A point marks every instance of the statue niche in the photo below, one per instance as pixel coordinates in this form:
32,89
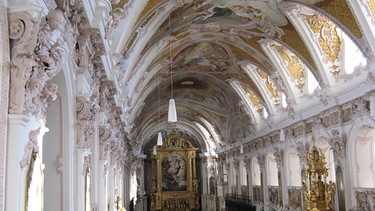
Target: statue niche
174,182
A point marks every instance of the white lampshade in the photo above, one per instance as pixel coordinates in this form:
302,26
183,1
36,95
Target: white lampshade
172,114
282,135
241,149
154,150
160,139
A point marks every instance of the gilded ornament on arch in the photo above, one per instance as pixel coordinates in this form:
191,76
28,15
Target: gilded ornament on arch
294,65
328,38
371,6
270,86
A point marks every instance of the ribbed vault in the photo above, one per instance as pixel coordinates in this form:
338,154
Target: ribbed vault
234,67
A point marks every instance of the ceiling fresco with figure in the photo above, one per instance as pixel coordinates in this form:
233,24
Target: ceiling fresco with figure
233,67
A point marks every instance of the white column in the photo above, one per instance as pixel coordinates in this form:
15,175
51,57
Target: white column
19,127
127,180
102,189
95,169
204,174
111,187
80,174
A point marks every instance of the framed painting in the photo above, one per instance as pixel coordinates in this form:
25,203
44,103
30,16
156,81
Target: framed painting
174,173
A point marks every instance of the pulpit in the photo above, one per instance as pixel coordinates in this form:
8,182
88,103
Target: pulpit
174,182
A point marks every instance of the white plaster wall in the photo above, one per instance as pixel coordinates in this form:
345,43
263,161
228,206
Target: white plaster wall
364,157
272,170
51,151
293,168
243,173
256,172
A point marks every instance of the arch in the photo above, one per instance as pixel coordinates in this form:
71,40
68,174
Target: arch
362,156
58,146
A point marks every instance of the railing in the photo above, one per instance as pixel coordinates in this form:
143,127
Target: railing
234,202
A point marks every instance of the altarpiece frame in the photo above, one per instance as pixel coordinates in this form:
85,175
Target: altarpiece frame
174,182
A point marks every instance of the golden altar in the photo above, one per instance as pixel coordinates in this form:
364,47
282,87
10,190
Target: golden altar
174,182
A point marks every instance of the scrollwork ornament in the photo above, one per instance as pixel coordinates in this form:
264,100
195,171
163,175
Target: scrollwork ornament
247,162
302,150
261,162
23,31
279,157
16,29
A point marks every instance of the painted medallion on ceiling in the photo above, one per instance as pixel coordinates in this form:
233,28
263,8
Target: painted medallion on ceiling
204,57
245,13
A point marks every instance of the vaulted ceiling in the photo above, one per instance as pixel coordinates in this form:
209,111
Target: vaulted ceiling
234,67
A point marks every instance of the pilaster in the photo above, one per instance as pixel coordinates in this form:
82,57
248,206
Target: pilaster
19,127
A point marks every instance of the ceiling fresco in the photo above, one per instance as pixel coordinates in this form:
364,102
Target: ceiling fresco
215,56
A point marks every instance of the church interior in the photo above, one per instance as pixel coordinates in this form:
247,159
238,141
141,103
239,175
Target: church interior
200,105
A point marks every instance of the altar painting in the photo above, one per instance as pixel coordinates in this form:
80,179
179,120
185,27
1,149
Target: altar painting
174,173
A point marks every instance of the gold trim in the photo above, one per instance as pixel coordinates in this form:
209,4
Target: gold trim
187,197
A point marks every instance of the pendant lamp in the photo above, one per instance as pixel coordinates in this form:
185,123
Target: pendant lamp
241,149
154,150
160,139
282,135
172,114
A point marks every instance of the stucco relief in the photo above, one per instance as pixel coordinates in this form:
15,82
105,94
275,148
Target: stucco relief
247,162
37,58
85,122
338,144
23,32
279,158
104,136
30,147
112,21
261,162
302,150
236,164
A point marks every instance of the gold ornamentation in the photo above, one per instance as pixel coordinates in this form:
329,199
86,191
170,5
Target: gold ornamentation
329,40
294,65
253,99
174,183
340,10
294,40
318,193
371,6
270,86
